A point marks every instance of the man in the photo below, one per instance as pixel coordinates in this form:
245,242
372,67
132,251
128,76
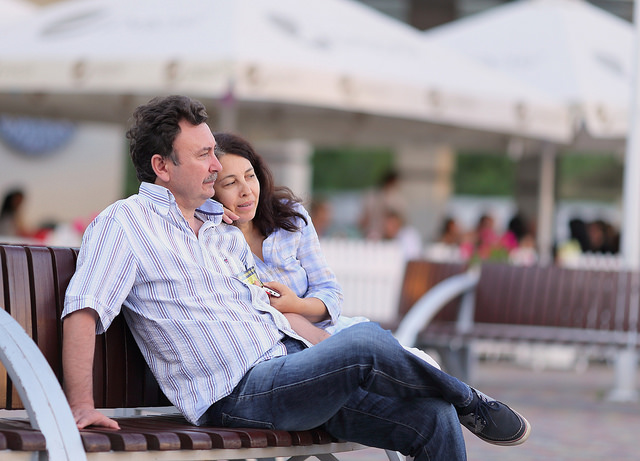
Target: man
219,351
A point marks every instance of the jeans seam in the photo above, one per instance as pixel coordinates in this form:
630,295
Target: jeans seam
399,423
285,387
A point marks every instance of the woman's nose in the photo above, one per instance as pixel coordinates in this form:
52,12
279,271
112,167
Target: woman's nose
245,189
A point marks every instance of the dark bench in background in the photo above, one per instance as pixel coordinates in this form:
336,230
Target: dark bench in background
535,304
33,283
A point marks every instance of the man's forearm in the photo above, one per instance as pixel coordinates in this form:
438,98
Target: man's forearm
78,345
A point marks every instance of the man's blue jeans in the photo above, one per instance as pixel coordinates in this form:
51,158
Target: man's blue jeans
360,385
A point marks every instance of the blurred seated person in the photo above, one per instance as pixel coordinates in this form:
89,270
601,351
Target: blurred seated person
395,227
519,237
11,219
387,196
450,233
321,216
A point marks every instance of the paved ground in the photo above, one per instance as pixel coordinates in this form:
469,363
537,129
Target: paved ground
570,417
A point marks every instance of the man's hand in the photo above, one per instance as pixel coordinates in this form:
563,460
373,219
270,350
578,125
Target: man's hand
89,416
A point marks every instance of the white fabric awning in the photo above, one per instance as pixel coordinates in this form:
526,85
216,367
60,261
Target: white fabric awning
87,58
572,50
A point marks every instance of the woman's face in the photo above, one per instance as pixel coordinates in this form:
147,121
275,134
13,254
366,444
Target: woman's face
237,187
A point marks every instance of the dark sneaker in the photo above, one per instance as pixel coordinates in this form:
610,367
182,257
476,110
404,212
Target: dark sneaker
493,421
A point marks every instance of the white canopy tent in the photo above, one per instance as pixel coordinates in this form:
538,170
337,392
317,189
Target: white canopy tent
11,10
292,67
575,52
572,50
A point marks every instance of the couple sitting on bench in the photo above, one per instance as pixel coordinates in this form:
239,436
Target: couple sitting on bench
222,349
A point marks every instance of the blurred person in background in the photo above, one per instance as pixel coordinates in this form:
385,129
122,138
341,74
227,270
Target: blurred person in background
376,202
520,238
11,219
450,233
395,228
603,237
321,215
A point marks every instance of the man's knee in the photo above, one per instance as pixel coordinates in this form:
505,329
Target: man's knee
368,339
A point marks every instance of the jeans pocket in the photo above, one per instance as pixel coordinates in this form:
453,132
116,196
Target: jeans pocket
234,421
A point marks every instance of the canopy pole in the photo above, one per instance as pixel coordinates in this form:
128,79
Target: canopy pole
626,361
630,235
546,203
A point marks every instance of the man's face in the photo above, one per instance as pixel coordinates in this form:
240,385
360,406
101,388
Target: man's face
191,180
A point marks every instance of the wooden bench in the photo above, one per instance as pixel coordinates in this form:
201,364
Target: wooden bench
534,304
33,283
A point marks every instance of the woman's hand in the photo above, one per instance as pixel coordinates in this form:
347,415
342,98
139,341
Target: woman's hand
311,308
288,301
228,216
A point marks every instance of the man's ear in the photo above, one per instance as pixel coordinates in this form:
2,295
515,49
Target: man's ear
159,165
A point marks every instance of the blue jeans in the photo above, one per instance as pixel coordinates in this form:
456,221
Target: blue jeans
360,385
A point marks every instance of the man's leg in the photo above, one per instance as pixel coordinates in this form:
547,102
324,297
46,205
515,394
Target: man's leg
339,387
426,429
305,389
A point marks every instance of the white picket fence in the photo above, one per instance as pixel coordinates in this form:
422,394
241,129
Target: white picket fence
370,274
595,261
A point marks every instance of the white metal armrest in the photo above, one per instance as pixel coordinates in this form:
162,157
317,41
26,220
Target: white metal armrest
40,392
433,301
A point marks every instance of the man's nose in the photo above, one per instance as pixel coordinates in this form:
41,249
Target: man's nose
215,164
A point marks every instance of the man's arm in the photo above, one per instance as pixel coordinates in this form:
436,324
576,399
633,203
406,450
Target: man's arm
78,345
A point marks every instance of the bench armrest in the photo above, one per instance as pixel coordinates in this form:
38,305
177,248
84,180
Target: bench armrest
40,391
433,301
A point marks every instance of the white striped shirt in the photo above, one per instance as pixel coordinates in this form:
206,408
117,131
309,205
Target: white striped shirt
198,326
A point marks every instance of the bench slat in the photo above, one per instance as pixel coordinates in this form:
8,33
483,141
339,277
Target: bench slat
94,442
191,440
18,305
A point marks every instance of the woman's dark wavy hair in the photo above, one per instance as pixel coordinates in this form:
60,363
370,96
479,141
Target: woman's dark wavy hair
275,204
155,128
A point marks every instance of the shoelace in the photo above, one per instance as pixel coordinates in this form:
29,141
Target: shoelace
481,412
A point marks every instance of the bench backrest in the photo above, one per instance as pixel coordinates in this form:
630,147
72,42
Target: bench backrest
605,301
422,275
33,284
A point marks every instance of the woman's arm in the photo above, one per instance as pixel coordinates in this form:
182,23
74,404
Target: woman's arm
313,309
306,329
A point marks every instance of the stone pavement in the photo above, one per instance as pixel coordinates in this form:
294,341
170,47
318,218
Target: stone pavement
571,419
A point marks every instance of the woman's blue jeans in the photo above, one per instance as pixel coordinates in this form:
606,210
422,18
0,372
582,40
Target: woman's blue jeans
360,385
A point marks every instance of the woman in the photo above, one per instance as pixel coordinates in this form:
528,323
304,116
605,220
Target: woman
281,236
284,242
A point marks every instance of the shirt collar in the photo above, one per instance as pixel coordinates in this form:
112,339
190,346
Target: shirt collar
163,200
